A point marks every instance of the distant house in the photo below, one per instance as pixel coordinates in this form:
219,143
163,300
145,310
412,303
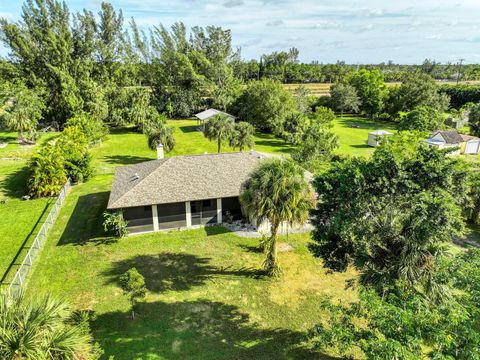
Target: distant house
183,191
208,114
466,144
376,137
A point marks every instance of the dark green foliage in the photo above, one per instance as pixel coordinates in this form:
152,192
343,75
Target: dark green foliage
114,223
294,127
48,173
371,90
415,91
219,128
265,104
242,136
316,144
159,133
422,118
323,116
344,98
474,120
73,145
277,191
461,94
133,286
410,205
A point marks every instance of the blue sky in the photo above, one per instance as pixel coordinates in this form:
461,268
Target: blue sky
368,31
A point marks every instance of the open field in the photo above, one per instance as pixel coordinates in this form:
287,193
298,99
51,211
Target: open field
323,89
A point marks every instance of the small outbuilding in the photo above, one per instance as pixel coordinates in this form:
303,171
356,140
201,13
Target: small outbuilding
465,144
208,114
376,137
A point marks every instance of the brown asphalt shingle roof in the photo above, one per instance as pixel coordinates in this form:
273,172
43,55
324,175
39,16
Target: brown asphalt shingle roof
450,137
182,178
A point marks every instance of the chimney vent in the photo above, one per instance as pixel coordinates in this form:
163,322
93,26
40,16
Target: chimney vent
160,154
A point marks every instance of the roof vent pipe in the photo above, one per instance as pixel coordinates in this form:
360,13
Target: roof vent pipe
160,154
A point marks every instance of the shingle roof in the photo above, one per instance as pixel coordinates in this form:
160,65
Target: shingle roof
380,132
182,178
207,114
469,137
450,137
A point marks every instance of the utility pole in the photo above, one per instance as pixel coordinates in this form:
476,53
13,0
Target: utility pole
459,68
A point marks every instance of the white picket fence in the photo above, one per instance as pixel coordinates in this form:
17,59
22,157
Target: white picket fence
21,275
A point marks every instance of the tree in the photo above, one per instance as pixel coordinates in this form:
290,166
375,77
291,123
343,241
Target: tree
400,201
277,191
317,144
161,135
94,129
133,286
22,110
243,136
323,116
417,90
344,98
294,127
48,173
265,104
220,128
41,327
73,145
423,118
371,90
474,120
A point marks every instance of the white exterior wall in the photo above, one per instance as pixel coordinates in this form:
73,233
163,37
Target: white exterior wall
472,147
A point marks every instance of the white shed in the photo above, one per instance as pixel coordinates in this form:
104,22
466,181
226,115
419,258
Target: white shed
375,137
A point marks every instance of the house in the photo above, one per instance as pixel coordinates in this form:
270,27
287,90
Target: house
208,114
376,137
183,191
466,144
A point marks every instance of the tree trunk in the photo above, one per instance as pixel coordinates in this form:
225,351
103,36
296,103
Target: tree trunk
271,267
21,137
219,144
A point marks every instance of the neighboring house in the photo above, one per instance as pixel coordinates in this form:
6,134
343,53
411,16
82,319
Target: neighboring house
376,137
466,144
183,191
208,114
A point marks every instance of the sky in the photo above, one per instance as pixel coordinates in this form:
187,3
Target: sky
368,31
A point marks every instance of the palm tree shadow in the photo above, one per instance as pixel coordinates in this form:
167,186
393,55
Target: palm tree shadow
175,271
13,185
199,329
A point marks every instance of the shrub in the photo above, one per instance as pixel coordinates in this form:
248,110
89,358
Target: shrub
73,145
48,173
94,129
114,223
133,286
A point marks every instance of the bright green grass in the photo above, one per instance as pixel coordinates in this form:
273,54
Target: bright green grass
353,141
19,220
205,299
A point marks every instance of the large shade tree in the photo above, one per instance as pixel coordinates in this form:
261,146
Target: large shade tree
391,215
277,191
219,128
344,98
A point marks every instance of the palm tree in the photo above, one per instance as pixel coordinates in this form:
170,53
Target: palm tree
40,328
220,127
278,192
242,136
161,134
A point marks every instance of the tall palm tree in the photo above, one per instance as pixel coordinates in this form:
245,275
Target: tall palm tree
278,192
40,328
242,136
219,127
161,134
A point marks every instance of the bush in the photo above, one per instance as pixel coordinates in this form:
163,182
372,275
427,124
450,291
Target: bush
73,145
48,173
95,130
114,223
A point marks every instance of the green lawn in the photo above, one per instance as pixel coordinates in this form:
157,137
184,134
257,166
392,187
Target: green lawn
19,220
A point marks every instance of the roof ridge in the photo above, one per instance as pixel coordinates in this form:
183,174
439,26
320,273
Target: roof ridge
160,163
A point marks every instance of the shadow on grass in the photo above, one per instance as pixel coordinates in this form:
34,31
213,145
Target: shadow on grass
13,185
216,230
251,249
174,271
85,223
361,146
363,123
199,329
126,159
10,139
188,129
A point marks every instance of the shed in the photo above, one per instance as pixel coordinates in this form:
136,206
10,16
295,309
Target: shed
375,137
208,114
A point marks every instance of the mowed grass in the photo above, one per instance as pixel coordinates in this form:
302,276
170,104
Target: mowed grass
206,296
19,220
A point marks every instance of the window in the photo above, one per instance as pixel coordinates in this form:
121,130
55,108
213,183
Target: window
147,208
207,203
